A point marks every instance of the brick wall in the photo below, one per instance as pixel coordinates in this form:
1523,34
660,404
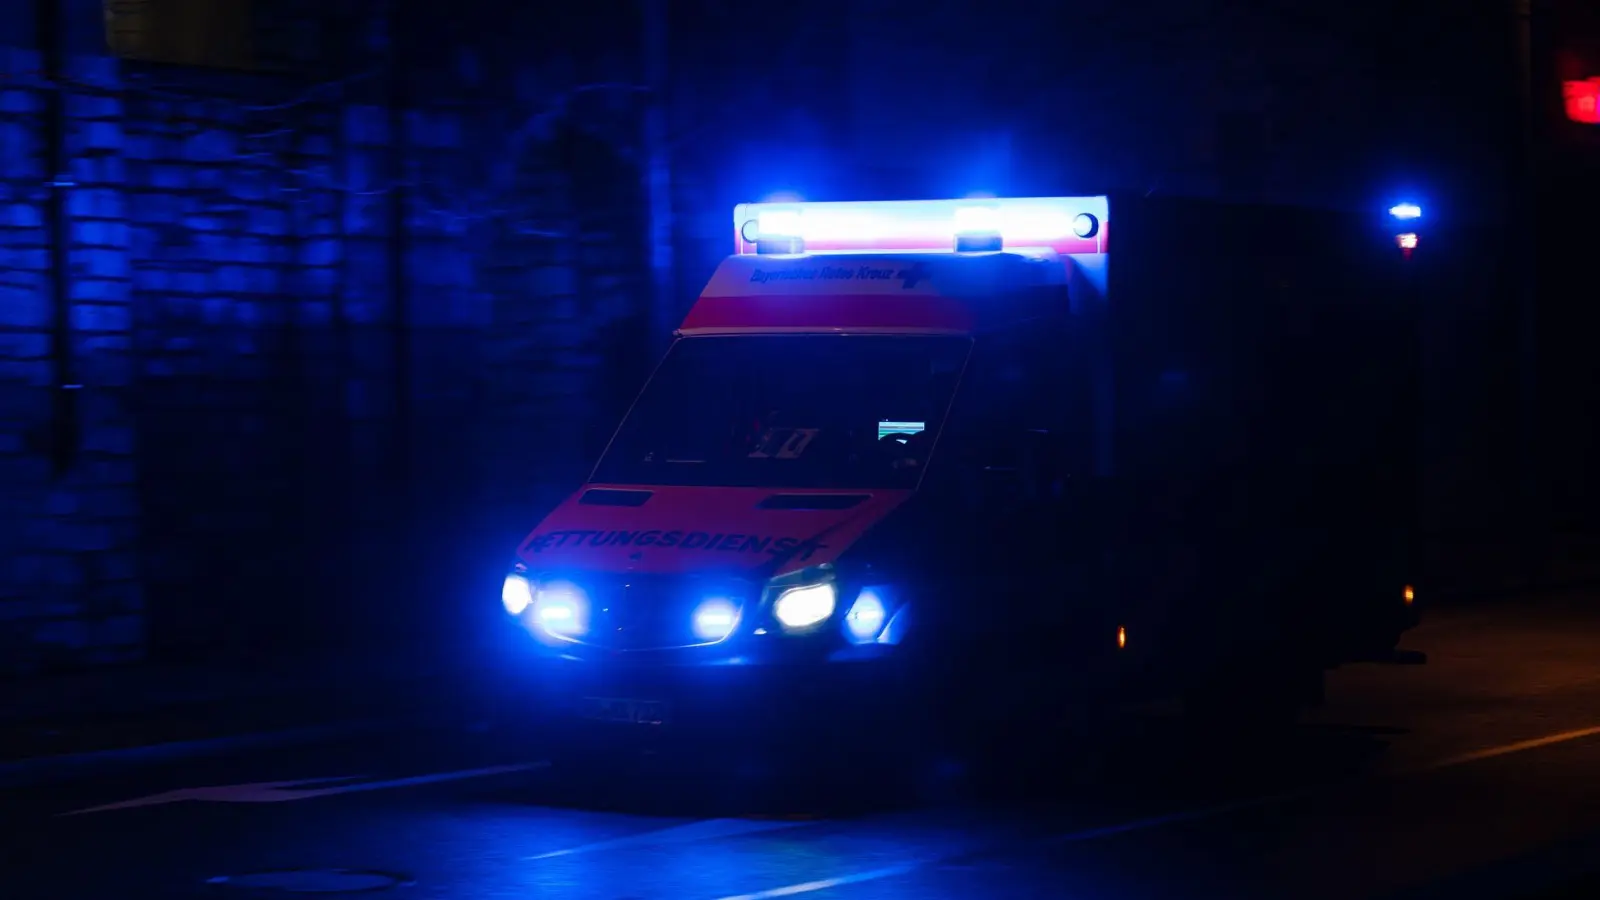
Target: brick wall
231,254
326,360
69,586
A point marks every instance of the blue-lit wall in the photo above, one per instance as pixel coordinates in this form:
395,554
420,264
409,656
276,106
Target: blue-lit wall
69,561
326,361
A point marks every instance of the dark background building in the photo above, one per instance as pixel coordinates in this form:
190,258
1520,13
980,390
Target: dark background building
307,309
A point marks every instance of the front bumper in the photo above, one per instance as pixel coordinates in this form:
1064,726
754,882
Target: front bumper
734,701
752,688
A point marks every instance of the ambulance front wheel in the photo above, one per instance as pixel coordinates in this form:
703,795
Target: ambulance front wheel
1383,644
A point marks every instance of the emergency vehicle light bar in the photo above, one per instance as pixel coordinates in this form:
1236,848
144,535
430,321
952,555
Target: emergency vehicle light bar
1063,224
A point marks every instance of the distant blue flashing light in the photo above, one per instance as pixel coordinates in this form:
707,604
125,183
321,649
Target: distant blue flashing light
1406,211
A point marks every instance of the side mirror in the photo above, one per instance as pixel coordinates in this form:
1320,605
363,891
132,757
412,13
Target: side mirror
1023,470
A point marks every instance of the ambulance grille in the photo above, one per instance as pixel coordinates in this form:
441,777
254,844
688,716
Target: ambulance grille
656,612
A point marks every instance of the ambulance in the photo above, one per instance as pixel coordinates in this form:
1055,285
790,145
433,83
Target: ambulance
958,460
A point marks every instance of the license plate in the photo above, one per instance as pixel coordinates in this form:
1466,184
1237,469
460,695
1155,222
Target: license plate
623,709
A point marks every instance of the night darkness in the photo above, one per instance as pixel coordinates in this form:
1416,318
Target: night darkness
314,316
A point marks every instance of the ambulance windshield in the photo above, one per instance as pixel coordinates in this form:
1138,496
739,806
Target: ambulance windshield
789,411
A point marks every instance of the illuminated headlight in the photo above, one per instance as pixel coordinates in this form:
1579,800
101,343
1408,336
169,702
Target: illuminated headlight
561,609
714,619
798,608
516,594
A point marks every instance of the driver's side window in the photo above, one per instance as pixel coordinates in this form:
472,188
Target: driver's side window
1022,422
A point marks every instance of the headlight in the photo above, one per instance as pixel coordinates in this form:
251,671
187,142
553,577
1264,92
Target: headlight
516,594
803,607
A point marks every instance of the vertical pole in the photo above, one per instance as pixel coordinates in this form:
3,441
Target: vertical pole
403,524
399,240
1527,208
64,426
658,174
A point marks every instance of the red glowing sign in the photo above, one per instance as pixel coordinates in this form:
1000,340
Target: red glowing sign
1582,100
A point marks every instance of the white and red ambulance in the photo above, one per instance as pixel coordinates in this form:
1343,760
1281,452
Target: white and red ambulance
957,453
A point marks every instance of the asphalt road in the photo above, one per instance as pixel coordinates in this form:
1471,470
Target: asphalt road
1412,777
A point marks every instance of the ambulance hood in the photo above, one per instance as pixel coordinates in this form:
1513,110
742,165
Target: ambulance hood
754,531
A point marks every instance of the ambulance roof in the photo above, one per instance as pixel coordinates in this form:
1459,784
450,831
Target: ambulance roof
892,266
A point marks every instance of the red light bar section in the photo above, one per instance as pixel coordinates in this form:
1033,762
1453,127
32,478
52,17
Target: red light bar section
1582,100
829,313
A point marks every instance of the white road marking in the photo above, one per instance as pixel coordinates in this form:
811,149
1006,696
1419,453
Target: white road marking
1173,818
1071,837
707,829
807,887
286,791
255,792
1508,749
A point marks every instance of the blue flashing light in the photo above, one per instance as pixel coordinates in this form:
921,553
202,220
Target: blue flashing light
894,631
778,223
776,231
864,622
1406,211
976,220
714,619
977,230
561,610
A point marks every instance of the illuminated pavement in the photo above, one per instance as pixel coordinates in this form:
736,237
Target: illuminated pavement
1410,776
